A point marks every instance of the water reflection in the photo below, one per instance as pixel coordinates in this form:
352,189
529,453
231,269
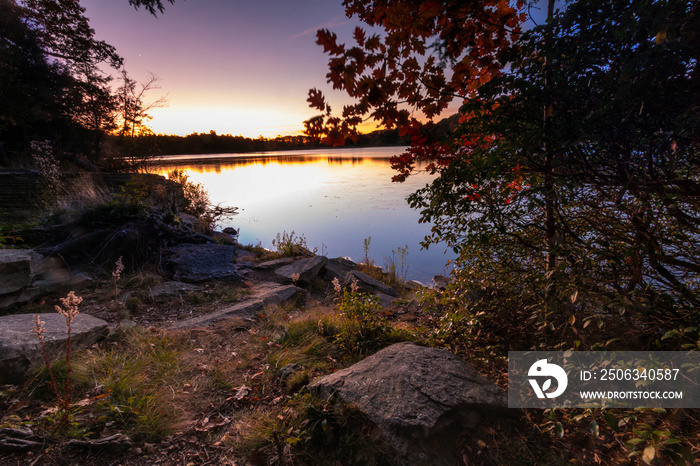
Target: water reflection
335,200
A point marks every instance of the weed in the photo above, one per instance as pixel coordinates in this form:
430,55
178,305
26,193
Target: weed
133,304
198,203
9,240
116,275
365,246
365,330
397,268
69,310
81,192
311,430
48,165
297,381
135,383
290,245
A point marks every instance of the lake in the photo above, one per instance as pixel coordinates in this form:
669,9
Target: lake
335,198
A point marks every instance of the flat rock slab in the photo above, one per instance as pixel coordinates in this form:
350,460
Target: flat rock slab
198,263
369,284
419,398
303,271
265,294
339,268
20,351
168,290
274,264
26,275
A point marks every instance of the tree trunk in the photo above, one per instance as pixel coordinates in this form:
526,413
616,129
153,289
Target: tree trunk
550,230
4,159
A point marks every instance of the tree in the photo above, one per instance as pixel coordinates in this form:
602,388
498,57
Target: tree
575,162
55,85
133,109
152,6
30,86
391,75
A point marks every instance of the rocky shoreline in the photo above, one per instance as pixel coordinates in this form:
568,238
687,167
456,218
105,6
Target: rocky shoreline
180,283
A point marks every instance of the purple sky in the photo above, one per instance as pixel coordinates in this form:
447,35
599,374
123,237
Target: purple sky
238,67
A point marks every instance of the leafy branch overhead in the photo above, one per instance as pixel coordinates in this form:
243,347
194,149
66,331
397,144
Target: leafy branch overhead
404,69
152,6
568,187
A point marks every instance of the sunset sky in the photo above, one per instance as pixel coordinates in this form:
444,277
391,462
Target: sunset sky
238,67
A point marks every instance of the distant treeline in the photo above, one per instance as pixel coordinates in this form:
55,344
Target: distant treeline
213,143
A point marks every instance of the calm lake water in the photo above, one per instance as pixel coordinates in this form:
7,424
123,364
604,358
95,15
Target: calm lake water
334,197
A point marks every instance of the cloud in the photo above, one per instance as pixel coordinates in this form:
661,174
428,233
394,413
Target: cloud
340,20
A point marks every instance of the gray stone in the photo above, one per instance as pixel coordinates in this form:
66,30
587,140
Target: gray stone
26,275
197,263
244,256
339,268
20,351
16,269
167,290
223,238
414,285
265,294
384,299
419,398
274,264
442,282
303,270
287,371
369,284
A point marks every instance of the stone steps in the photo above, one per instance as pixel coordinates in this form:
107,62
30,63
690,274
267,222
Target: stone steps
266,294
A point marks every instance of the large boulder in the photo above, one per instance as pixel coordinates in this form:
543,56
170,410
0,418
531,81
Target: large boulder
20,351
16,269
419,398
369,284
26,275
198,263
303,271
339,268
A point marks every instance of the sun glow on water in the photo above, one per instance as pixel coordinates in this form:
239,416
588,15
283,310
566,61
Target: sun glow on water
334,198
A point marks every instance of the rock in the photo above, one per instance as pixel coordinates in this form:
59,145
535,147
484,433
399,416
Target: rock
231,231
197,263
419,398
223,238
167,290
305,269
244,256
441,282
287,371
273,264
26,275
189,220
414,285
20,351
265,294
369,284
339,268
385,299
16,269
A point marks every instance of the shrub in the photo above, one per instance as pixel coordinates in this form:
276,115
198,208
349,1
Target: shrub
289,245
366,330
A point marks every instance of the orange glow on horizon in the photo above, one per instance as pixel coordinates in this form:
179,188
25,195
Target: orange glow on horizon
250,123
